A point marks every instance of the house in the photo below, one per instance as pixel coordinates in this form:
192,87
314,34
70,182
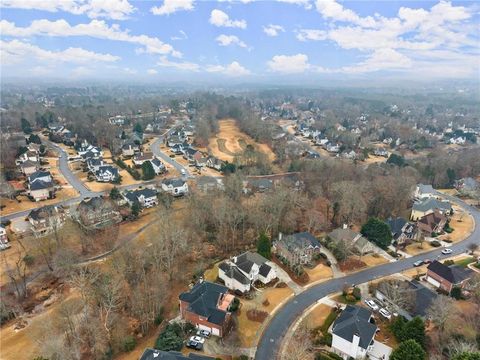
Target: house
259,185
3,238
107,173
174,140
403,231
321,141
353,239
158,166
447,277
47,219
129,149
28,167
201,162
333,148
97,213
209,183
432,223
467,184
381,152
298,248
177,149
89,155
175,187
192,154
154,354
29,155
141,157
419,298
87,151
353,333
428,206
425,191
40,186
206,305
146,197
117,120
243,270
94,164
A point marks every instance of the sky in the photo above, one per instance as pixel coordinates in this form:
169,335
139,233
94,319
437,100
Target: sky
240,41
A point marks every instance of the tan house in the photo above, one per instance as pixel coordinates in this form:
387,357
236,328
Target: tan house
47,219
97,213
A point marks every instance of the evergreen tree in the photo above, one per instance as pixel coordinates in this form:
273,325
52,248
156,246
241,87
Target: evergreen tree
264,247
148,171
26,127
378,232
408,350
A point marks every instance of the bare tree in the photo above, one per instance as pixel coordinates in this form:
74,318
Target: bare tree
397,293
298,348
440,311
17,270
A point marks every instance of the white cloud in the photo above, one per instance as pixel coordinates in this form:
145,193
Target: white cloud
330,9
172,6
152,72
16,51
311,34
273,30
305,3
286,64
226,40
81,71
109,9
382,59
233,69
183,36
221,19
96,28
189,66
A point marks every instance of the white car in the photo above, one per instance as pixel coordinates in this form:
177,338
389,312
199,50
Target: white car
447,251
203,333
183,172
197,339
372,304
385,313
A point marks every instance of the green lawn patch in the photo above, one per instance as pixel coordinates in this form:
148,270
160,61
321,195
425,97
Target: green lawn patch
465,262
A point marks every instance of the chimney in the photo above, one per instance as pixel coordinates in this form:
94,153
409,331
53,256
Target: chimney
345,226
280,236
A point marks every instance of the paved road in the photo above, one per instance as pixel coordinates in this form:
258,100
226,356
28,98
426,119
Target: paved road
155,147
274,333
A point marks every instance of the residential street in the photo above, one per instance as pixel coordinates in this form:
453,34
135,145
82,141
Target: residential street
271,340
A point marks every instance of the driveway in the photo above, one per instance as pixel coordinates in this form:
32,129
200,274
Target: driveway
155,147
274,333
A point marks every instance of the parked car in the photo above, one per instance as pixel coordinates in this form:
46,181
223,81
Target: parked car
194,345
385,313
203,333
447,251
372,304
198,339
418,263
183,172
427,261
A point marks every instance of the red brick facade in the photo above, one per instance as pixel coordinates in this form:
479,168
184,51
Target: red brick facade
196,319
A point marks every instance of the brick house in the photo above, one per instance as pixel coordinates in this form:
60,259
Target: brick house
432,223
97,213
447,277
206,305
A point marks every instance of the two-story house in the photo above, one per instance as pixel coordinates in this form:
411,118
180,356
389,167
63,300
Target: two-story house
40,186
97,213
447,277
3,238
175,187
141,157
353,333
47,219
206,305
429,205
107,173
298,248
146,198
241,271
158,166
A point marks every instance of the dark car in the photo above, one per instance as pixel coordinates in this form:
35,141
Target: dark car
194,345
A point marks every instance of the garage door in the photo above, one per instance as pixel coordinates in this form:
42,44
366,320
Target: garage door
433,281
203,327
215,332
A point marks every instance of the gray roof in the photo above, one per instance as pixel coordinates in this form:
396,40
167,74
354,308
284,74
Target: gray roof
134,195
453,274
423,298
38,174
431,204
426,189
40,185
396,225
354,320
105,168
203,299
45,212
300,241
174,182
233,273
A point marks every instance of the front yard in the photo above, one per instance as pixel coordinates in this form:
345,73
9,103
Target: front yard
320,272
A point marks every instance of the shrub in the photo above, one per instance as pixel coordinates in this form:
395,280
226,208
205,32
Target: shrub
129,343
435,243
266,302
256,315
434,234
357,293
235,305
448,262
456,293
350,299
170,339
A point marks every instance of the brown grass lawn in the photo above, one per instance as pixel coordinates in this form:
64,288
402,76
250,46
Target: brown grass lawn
249,331
319,272
414,271
13,206
231,139
414,249
317,316
372,159
372,260
462,223
211,274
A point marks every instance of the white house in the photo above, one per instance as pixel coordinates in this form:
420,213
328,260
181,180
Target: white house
130,149
158,166
40,185
28,155
144,197
333,148
93,164
353,333
242,271
3,238
141,157
175,187
425,191
106,173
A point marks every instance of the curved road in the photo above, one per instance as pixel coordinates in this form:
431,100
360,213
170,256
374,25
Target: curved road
271,340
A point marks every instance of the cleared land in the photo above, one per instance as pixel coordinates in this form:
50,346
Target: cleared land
230,141
317,316
319,272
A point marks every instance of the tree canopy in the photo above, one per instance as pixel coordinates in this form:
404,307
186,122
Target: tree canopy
378,232
408,350
148,171
264,247
406,330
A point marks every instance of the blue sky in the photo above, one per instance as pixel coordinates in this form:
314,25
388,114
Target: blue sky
240,40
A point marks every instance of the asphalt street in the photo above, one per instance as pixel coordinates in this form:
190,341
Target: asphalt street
271,340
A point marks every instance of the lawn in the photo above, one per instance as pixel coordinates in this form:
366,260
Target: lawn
462,224
211,274
317,316
319,272
230,140
414,248
249,331
465,261
374,260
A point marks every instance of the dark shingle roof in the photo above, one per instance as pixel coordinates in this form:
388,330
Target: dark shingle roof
38,174
301,240
233,273
453,274
203,299
396,225
431,204
423,298
354,320
152,354
45,212
39,185
264,270
174,182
